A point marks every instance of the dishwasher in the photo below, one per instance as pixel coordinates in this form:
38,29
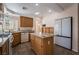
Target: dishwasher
24,37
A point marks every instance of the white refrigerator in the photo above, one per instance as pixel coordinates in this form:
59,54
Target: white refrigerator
63,32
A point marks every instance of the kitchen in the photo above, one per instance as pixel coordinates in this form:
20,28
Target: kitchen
25,31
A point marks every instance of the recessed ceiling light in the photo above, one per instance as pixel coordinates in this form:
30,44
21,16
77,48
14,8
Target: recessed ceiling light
36,4
24,8
37,13
49,10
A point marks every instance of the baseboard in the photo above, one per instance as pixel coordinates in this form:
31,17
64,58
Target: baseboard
74,50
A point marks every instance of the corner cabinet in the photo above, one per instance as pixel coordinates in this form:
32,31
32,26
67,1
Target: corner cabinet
42,46
16,38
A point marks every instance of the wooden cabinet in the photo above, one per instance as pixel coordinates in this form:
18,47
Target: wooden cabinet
42,46
47,29
16,38
48,45
4,49
32,38
26,21
39,46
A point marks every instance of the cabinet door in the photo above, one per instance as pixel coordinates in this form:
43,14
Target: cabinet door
26,21
39,46
48,45
48,30
5,48
17,39
32,38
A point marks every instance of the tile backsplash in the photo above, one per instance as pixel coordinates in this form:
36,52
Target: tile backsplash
26,28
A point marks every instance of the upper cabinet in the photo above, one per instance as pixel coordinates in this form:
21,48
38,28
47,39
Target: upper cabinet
48,30
26,21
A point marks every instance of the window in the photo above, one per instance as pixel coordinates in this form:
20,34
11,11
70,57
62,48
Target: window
9,23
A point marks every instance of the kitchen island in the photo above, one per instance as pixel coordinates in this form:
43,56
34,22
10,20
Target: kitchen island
42,43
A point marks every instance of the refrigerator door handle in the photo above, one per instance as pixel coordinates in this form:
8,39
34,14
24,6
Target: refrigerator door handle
62,36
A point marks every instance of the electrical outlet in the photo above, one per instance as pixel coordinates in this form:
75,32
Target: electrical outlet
48,42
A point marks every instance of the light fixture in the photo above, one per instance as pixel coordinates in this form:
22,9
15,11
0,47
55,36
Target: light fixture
24,8
49,10
36,4
37,13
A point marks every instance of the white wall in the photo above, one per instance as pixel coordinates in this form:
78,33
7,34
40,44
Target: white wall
14,22
37,24
49,20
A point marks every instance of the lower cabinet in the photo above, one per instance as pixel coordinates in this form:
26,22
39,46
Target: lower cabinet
42,46
4,50
32,38
16,38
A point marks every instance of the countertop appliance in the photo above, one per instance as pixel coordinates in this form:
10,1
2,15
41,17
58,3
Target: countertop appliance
63,32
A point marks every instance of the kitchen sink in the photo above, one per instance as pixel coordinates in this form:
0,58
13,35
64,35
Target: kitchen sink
4,35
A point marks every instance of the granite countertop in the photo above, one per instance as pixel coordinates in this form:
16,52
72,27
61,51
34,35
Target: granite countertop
43,35
26,31
3,40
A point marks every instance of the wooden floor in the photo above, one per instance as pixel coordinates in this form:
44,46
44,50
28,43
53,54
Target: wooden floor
25,49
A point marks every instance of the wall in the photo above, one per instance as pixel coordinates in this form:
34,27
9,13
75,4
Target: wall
37,24
14,23
49,20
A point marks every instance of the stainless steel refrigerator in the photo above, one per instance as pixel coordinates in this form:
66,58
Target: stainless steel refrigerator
63,32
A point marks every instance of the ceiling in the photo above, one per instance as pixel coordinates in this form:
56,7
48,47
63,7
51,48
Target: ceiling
29,9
